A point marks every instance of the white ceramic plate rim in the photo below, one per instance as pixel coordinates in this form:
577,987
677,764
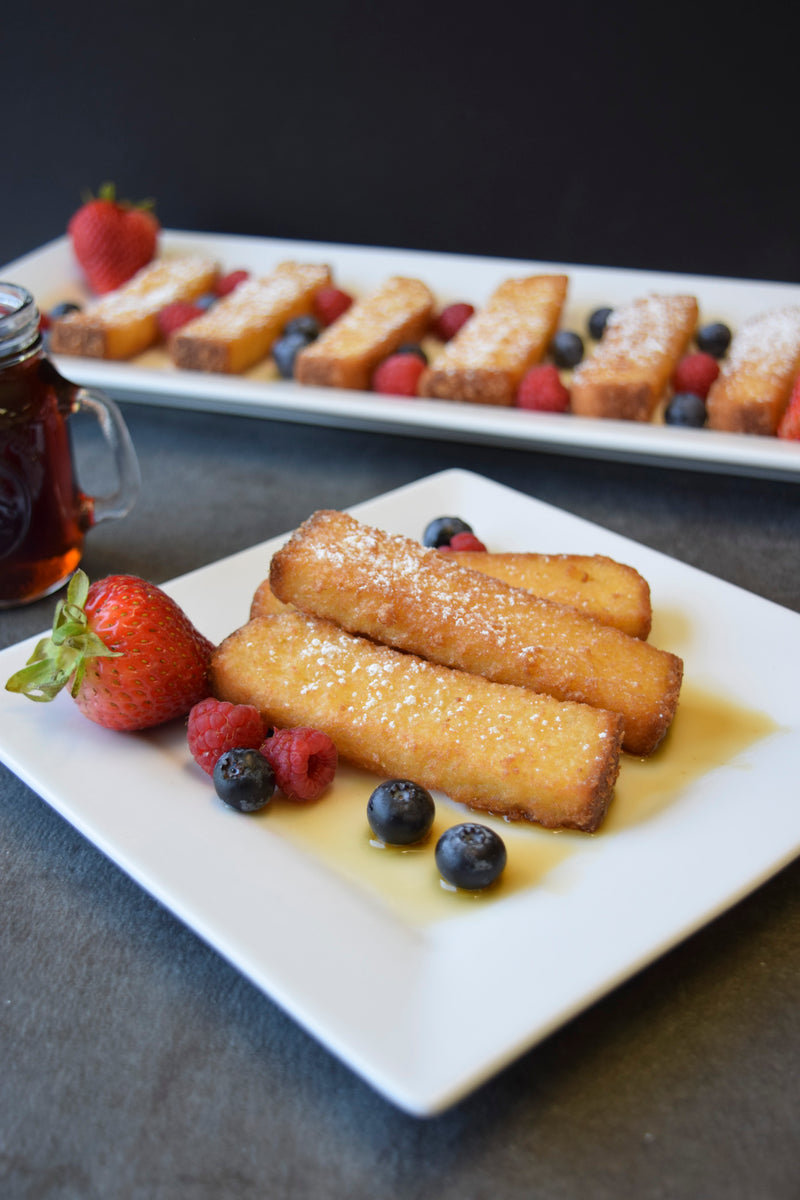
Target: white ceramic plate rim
425,1014
51,274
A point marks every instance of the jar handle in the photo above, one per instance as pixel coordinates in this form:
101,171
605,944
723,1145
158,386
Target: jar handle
115,432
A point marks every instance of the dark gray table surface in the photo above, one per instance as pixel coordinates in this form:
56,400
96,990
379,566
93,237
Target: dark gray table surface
137,1063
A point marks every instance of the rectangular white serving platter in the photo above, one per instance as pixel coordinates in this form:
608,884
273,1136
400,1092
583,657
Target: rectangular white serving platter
52,275
427,1011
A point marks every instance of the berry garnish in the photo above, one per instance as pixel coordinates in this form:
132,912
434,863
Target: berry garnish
131,656
112,240
174,316
217,725
413,348
695,373
463,541
686,408
597,322
714,339
286,350
206,301
566,348
470,856
789,425
441,531
244,779
304,762
400,812
450,320
63,310
307,325
330,303
398,375
226,283
541,390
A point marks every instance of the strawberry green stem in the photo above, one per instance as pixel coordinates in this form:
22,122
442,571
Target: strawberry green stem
62,655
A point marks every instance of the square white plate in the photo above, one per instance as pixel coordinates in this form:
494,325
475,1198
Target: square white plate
51,274
426,1001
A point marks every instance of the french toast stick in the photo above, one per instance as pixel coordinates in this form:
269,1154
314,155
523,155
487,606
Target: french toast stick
753,387
597,586
627,375
241,328
487,358
346,354
491,746
390,588
125,322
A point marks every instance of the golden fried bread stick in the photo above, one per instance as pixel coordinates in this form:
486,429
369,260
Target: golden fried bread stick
125,322
241,328
628,372
498,748
390,588
346,354
487,358
597,586
752,389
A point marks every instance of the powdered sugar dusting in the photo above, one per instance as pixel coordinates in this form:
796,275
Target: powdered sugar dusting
258,300
765,345
640,334
517,319
372,318
151,289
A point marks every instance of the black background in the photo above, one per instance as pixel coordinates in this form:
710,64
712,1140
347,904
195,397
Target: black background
625,135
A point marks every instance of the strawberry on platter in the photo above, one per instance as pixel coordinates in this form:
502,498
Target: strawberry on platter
112,240
130,655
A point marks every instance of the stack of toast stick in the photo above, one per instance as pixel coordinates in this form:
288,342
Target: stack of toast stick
515,698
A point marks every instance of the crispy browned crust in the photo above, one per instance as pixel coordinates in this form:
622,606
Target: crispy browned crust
599,587
347,353
753,388
391,589
628,373
485,361
125,322
491,746
241,329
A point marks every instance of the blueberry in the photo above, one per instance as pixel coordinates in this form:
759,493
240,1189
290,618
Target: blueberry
597,322
566,349
309,327
286,350
440,531
400,812
206,300
470,856
714,339
686,409
62,310
412,348
244,780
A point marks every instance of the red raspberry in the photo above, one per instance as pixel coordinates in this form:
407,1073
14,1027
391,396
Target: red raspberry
44,320
226,283
450,320
217,725
695,374
330,303
463,541
398,375
304,761
541,390
176,315
789,427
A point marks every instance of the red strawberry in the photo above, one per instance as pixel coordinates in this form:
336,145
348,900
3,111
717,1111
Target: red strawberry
130,654
789,427
112,241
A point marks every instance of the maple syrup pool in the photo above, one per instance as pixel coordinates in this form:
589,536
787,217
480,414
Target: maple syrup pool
707,732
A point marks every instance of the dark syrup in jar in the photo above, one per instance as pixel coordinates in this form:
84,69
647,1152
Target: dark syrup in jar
43,514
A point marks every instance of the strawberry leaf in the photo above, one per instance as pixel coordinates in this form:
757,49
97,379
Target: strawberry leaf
62,655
